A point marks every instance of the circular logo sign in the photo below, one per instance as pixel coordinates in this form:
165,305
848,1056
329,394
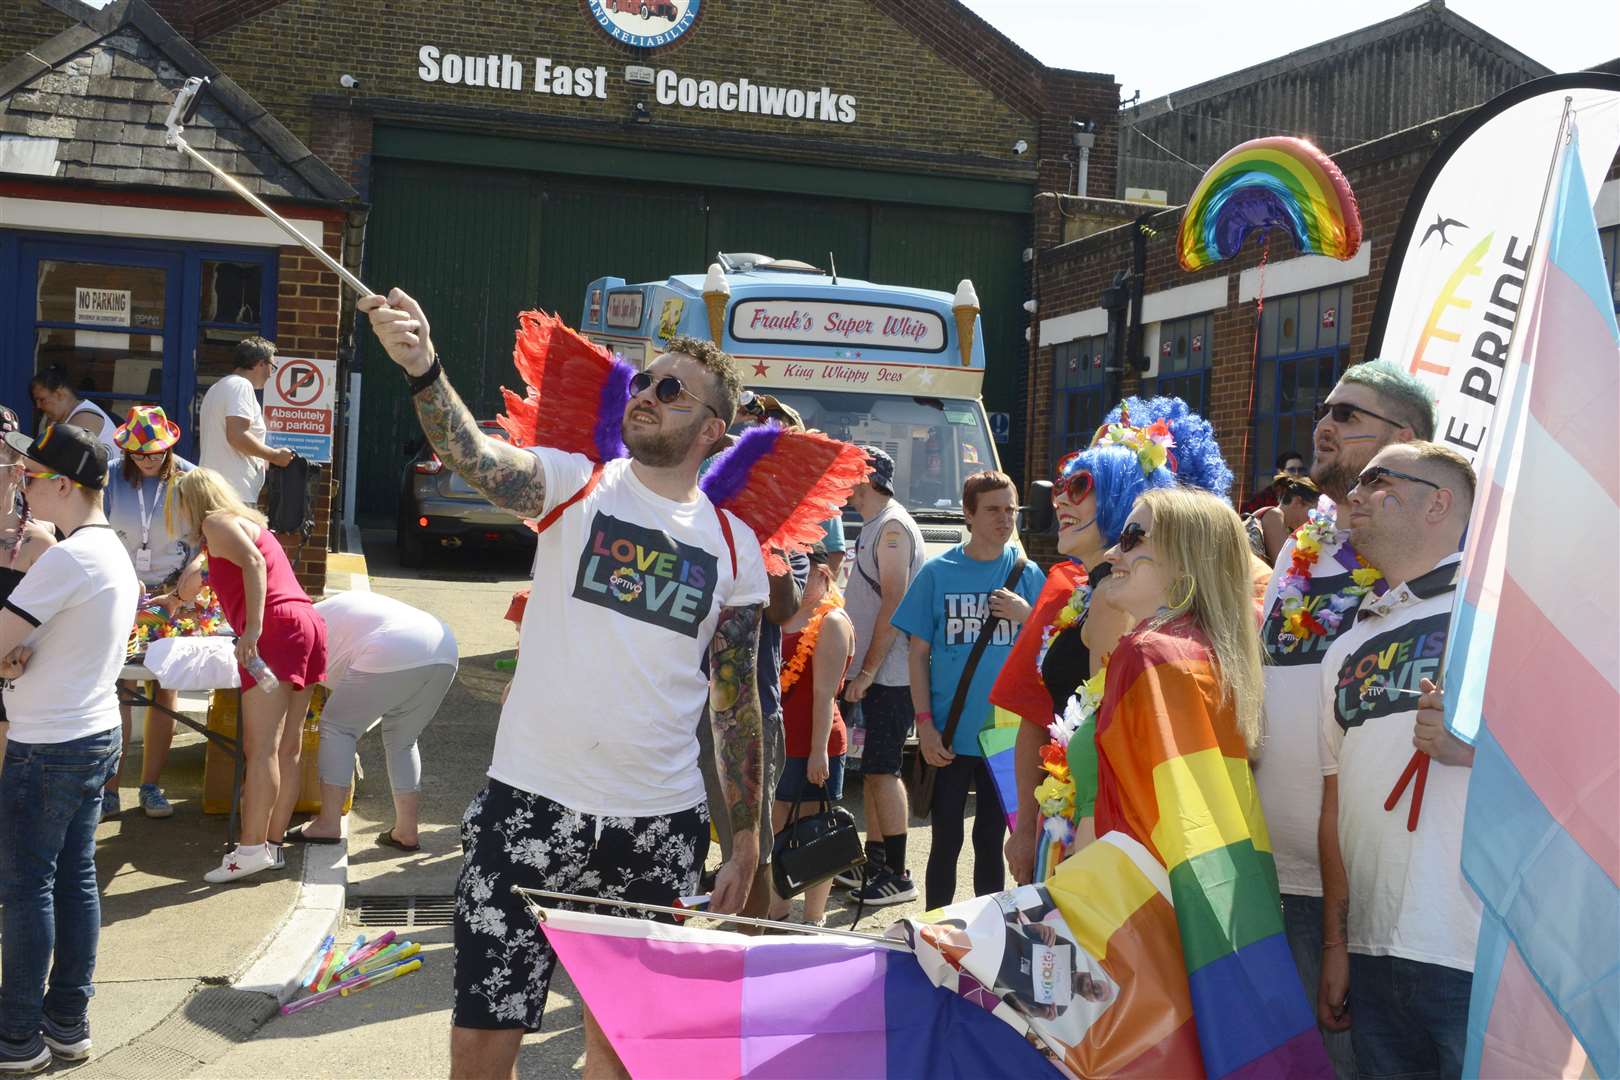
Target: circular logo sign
646,24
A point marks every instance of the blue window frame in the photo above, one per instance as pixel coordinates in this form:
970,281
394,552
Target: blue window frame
1304,348
1077,399
1609,244
164,333
1185,346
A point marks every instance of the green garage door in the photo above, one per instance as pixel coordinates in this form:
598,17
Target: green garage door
478,245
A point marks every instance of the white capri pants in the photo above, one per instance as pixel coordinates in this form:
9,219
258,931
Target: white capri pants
404,700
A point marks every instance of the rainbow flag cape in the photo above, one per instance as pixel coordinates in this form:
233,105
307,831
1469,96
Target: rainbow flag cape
1174,775
1533,675
996,742
676,1001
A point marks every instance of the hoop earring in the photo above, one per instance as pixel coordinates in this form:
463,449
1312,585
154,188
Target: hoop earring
1186,601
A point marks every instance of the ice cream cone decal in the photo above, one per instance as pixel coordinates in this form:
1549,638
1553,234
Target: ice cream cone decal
966,308
716,295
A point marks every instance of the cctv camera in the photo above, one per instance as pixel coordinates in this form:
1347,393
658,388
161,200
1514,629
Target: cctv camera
1020,147
349,82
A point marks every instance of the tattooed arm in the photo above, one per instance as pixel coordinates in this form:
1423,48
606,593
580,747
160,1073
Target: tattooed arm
739,747
508,477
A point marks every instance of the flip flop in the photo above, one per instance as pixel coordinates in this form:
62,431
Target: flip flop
387,840
296,835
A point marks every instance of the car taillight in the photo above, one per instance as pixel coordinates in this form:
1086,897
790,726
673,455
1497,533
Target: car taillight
431,467
422,521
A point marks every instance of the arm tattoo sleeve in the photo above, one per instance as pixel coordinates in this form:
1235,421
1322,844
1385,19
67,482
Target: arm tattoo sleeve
508,477
739,731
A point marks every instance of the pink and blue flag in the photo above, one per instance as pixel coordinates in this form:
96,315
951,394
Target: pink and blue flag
1534,673
676,1001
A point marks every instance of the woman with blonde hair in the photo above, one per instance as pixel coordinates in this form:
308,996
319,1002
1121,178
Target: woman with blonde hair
1179,722
281,641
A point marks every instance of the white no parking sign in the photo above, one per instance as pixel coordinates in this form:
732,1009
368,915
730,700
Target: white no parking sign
299,401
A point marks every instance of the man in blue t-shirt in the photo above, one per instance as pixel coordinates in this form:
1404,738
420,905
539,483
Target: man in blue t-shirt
957,596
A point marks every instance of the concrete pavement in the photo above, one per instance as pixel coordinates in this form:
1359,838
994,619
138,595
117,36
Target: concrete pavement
400,1029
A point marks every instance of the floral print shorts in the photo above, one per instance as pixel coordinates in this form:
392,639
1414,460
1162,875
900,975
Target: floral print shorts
511,837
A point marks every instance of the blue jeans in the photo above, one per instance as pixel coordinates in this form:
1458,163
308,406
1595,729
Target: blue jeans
1409,1020
50,803
1302,923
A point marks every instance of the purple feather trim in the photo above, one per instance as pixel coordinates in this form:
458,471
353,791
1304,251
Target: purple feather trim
609,432
730,470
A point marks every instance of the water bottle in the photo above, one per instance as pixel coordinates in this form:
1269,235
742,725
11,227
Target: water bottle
262,674
854,735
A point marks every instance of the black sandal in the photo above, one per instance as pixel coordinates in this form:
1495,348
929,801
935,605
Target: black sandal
387,840
297,835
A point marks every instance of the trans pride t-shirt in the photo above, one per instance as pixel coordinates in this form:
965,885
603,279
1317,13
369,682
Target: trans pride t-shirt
628,588
948,605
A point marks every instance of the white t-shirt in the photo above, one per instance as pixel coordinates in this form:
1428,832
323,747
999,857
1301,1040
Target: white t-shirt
1287,774
1407,893
232,396
366,631
115,453
628,587
81,596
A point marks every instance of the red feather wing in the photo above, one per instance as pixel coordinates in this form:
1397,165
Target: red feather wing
565,371
805,479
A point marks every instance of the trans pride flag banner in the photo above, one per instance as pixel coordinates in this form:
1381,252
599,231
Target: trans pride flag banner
1534,673
677,1001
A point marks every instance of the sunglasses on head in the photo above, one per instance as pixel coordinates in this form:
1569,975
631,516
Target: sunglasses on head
1131,537
666,388
1371,476
1343,412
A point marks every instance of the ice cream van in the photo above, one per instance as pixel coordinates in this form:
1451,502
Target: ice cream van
883,365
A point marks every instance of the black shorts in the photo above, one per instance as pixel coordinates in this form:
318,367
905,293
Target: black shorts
510,837
887,715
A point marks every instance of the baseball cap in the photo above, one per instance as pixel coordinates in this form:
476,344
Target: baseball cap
66,449
882,464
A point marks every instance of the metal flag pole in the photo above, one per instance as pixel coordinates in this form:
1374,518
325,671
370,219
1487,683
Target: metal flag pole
745,920
185,104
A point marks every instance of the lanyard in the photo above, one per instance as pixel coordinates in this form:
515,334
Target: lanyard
147,515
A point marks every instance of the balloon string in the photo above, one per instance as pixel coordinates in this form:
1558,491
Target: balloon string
1254,353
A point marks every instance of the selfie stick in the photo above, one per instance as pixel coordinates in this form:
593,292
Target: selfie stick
185,105
745,920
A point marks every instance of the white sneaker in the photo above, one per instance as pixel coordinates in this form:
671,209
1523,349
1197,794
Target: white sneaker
238,865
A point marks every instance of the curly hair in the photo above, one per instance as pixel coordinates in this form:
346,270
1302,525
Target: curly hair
719,365
1116,473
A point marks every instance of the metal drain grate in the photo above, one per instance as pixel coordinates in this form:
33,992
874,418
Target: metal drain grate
403,911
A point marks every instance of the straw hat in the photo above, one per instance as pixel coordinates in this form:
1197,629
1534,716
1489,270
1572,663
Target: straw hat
147,431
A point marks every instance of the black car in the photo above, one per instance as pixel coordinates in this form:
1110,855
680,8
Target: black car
438,509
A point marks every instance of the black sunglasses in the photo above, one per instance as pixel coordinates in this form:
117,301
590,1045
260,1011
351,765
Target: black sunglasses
1131,537
1343,412
1371,476
667,389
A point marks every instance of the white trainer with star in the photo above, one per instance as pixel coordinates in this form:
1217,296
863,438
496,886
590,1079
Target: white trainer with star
241,862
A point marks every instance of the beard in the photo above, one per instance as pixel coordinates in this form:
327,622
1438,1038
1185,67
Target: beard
664,447
1335,479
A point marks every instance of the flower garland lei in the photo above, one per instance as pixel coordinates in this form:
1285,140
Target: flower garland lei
807,640
1300,624
1056,793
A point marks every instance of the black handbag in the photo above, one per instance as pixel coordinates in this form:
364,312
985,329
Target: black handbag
812,849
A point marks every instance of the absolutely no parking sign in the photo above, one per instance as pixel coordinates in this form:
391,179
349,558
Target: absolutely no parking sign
299,401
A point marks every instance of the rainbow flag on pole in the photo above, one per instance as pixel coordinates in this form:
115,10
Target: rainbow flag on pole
1175,776
676,1001
1534,672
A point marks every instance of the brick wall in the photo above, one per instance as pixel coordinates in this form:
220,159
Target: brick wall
1070,276
307,321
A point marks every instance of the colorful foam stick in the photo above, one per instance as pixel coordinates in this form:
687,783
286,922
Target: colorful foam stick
381,977
320,957
334,991
333,956
381,957
331,972
1275,182
371,949
377,963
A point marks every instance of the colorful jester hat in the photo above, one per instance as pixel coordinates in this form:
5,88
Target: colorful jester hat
781,484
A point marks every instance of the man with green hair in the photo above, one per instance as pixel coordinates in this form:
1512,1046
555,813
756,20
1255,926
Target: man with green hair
1306,607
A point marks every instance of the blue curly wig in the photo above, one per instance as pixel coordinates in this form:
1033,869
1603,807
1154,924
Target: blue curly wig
1116,473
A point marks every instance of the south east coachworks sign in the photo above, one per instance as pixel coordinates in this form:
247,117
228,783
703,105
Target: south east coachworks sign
645,24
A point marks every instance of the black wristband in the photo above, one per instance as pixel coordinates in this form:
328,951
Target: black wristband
421,382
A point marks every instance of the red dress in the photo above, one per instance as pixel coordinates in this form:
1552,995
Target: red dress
293,640
798,706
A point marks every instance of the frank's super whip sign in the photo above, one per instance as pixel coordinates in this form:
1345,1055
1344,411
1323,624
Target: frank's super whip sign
1455,284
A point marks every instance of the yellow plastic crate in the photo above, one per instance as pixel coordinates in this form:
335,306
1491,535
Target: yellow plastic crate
217,768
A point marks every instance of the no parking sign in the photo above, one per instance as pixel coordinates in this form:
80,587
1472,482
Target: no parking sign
299,401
